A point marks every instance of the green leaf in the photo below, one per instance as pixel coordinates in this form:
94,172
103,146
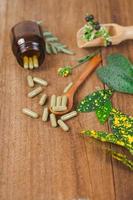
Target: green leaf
94,101
109,137
103,112
118,74
122,158
122,126
54,46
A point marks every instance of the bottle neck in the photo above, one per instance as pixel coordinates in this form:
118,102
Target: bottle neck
27,47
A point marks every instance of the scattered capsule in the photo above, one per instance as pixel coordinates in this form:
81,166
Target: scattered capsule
67,88
30,113
30,81
64,101
25,62
43,100
69,115
45,114
58,102
59,108
63,125
53,120
35,62
30,63
53,101
35,92
40,81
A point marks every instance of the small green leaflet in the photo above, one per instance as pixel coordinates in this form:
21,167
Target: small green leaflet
103,112
94,101
117,74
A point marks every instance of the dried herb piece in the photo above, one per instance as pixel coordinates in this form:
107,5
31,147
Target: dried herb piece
117,74
94,101
122,158
109,137
103,112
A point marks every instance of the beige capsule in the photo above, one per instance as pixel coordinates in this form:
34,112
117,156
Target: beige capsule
25,62
35,62
30,113
30,81
45,114
69,115
67,88
58,102
31,63
40,81
53,120
63,125
64,100
59,108
35,92
53,100
43,100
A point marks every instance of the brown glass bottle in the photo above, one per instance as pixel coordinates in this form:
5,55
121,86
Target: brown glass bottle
28,44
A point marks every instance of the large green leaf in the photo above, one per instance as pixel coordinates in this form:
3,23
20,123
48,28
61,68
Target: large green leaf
94,101
103,112
117,74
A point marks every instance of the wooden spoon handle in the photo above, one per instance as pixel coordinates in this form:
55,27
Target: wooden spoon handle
91,66
128,32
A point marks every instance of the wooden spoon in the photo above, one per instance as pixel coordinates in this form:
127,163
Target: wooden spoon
118,34
91,66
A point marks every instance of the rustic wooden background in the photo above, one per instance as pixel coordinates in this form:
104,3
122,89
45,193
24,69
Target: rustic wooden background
36,161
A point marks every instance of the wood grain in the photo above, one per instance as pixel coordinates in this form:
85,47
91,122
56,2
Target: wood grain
36,161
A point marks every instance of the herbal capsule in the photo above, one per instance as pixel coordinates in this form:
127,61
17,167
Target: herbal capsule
58,103
40,81
59,108
26,62
35,92
43,99
30,81
69,115
63,125
53,120
64,101
45,114
30,113
66,89
35,62
53,101
30,63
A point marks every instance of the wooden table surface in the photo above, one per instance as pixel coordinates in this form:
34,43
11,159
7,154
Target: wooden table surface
38,162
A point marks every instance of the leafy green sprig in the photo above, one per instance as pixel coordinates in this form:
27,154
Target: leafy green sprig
53,45
67,70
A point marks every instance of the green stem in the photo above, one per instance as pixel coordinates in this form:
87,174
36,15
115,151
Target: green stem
85,59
